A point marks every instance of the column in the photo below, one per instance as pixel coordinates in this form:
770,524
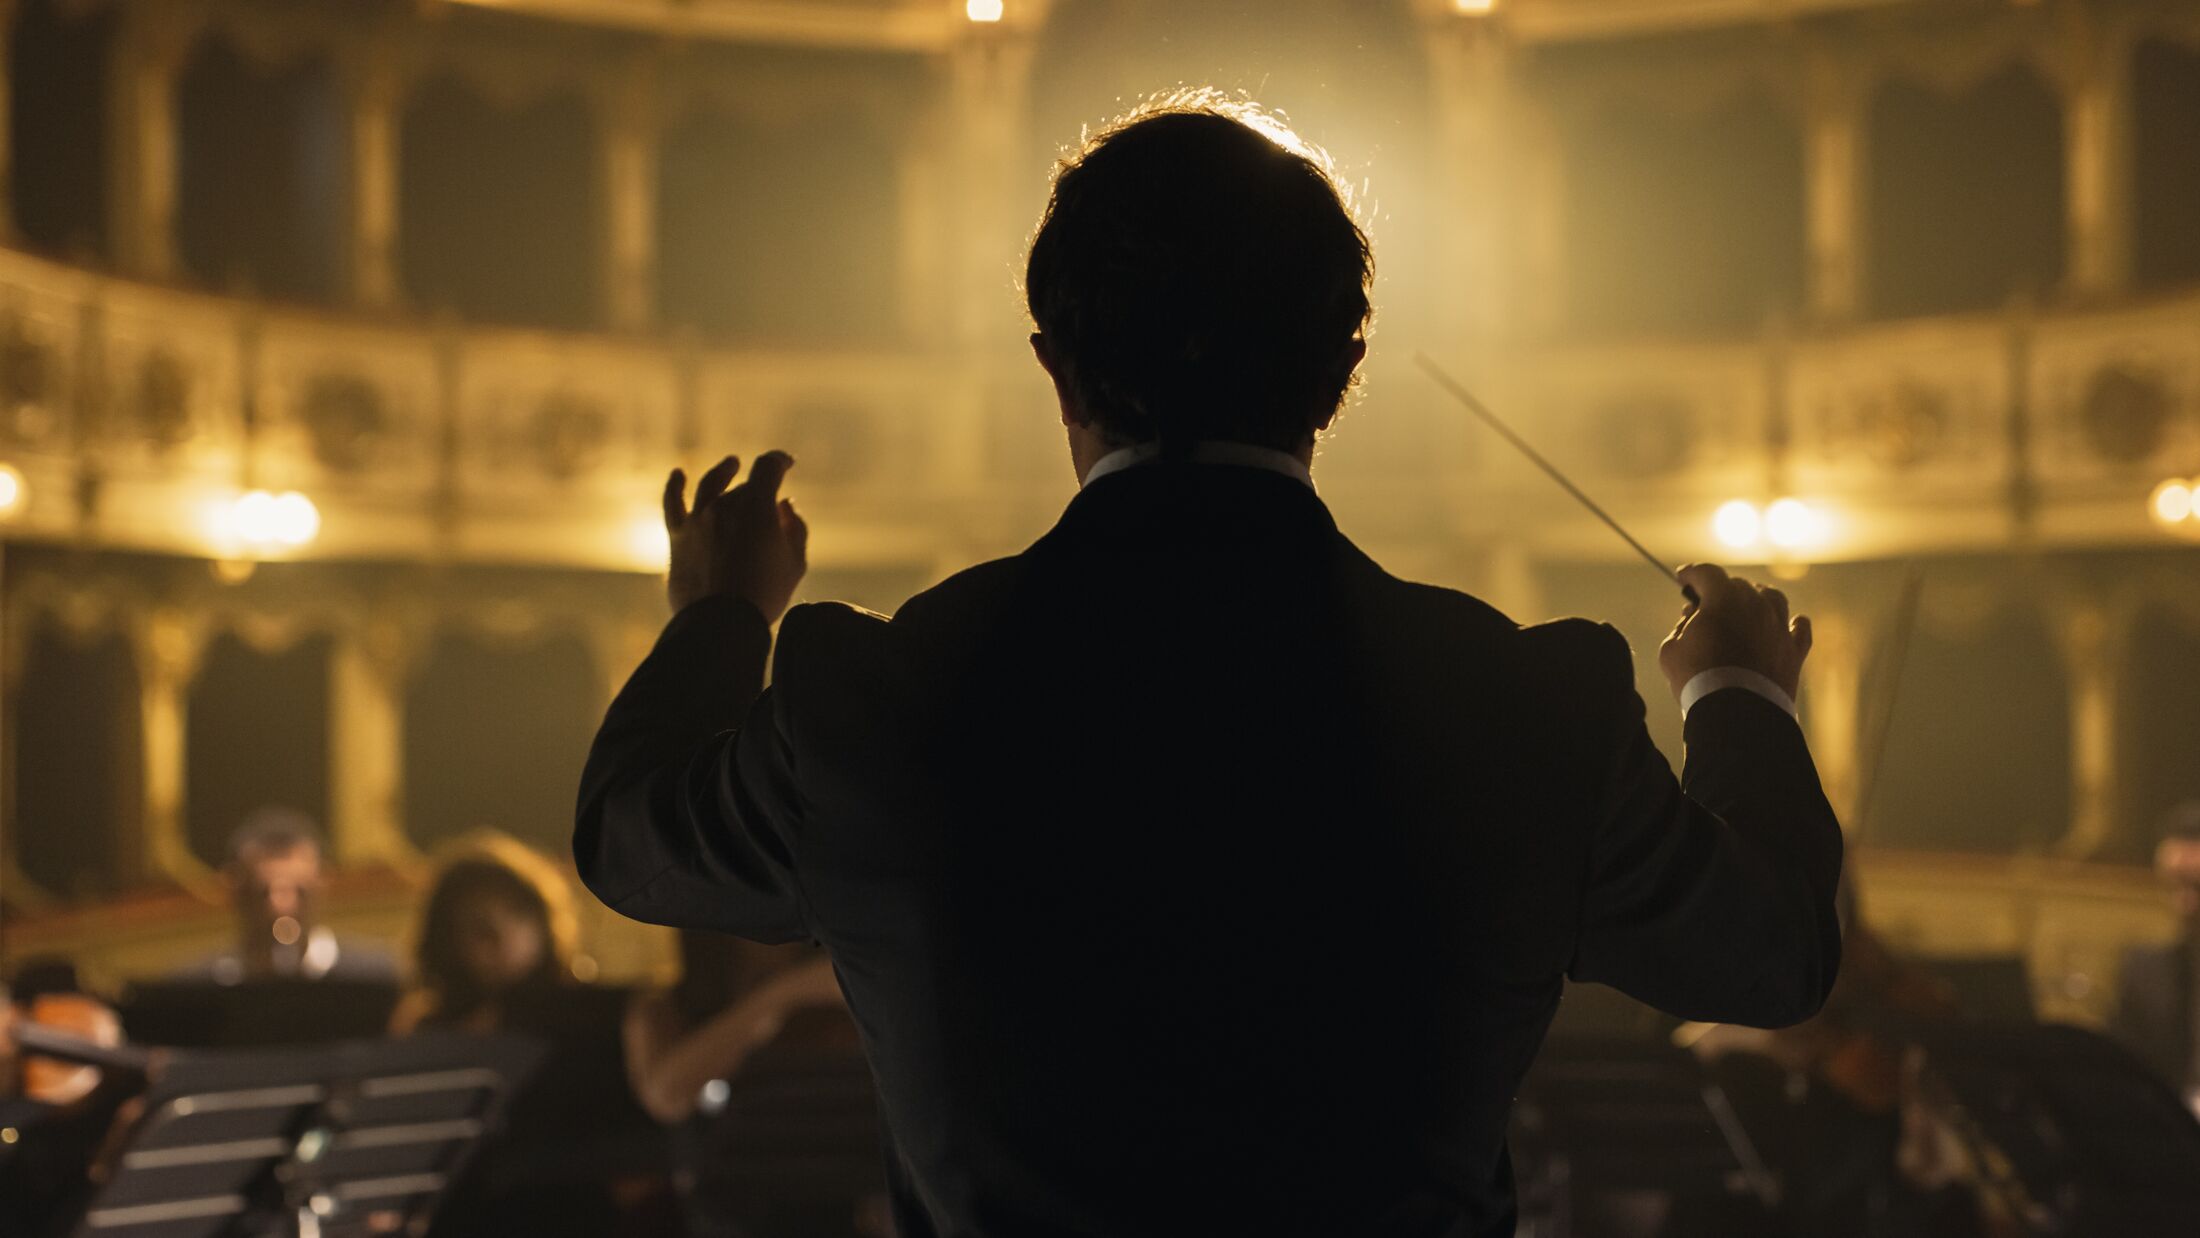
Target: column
629,135
148,53
1471,78
995,174
2097,155
2089,669
7,103
1831,704
1541,238
168,645
994,183
24,893
1835,165
375,85
367,745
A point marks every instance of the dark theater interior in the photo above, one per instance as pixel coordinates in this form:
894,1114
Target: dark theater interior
346,346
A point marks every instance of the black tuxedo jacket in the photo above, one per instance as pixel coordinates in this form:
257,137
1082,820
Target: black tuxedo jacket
1189,874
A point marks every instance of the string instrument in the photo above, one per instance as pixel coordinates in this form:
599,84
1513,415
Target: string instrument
69,1042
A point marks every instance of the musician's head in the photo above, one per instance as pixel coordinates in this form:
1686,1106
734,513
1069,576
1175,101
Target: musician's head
273,871
1198,275
2177,858
499,917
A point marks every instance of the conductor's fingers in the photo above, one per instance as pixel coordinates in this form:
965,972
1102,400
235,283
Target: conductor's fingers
1777,600
1707,579
713,483
1799,627
762,487
796,528
675,501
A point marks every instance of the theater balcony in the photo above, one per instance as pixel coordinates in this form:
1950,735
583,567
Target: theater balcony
344,348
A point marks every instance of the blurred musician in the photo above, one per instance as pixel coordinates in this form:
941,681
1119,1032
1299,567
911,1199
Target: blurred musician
55,1115
498,925
275,877
2157,1013
684,1042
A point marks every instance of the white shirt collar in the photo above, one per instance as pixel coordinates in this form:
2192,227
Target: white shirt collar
1216,452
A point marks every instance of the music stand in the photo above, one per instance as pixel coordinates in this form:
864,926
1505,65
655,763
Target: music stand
329,1141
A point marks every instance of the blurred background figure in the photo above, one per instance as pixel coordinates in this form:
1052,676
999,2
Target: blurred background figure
497,925
689,1048
2157,1012
274,877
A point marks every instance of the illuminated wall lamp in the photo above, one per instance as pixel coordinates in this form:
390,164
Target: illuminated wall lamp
1786,524
264,522
2175,502
983,10
648,546
13,491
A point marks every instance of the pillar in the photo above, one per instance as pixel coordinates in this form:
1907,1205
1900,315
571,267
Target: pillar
2097,159
1835,165
995,174
1471,76
167,644
7,103
629,136
374,85
1831,705
994,186
150,44
367,745
2089,669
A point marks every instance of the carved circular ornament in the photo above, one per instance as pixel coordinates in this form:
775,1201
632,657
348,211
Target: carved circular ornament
2125,413
344,419
28,386
163,402
1904,425
1644,436
570,433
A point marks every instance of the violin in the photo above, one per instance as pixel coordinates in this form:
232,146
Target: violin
69,1042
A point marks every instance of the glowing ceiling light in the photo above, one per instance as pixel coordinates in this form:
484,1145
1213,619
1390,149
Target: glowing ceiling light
11,490
983,10
1737,524
647,543
1475,8
261,520
1792,524
2172,501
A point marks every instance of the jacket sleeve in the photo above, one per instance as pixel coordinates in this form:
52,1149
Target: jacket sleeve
1711,898
688,803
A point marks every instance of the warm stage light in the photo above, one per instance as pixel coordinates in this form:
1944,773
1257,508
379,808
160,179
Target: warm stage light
1792,524
983,10
260,520
647,543
11,490
2172,501
1737,524
1475,8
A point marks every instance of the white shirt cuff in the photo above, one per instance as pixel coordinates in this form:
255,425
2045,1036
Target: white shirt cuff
1719,678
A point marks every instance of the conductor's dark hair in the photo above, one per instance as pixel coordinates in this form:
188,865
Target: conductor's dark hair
1198,274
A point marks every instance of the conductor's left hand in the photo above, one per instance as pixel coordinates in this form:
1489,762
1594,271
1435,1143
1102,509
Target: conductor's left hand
746,541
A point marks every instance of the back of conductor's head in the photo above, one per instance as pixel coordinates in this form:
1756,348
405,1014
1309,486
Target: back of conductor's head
1198,275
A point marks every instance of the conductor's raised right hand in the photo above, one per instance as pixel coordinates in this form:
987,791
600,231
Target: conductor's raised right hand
746,542
1737,623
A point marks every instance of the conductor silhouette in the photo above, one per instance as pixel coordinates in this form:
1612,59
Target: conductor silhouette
1188,873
